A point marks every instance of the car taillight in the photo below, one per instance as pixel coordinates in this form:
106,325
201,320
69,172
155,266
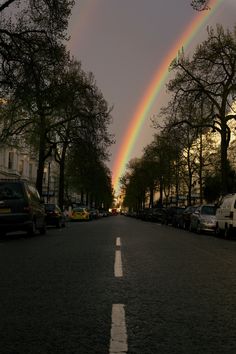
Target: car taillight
27,209
53,213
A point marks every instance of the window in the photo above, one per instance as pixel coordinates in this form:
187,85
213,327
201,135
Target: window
10,160
10,191
21,167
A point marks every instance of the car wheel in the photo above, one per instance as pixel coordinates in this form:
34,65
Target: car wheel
42,230
59,224
218,231
32,229
186,226
198,228
227,233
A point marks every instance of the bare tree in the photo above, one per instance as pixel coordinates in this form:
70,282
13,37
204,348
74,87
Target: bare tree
200,5
210,74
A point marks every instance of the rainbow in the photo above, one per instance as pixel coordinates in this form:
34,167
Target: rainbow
154,89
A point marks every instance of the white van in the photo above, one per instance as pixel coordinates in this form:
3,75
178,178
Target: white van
226,216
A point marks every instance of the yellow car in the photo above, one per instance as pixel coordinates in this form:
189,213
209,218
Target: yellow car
80,213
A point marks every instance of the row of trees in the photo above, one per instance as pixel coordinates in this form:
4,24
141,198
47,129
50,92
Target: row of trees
195,146
48,102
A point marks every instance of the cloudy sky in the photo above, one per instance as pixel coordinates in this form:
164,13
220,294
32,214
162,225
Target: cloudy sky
123,42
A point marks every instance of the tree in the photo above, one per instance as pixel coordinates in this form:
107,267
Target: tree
135,186
83,139
32,53
211,74
200,5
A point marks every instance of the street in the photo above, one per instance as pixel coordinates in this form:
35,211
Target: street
117,285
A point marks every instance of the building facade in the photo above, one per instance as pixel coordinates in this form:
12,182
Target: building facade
21,163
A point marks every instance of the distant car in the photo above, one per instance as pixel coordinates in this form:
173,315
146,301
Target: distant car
94,213
114,211
80,213
54,215
103,213
20,208
203,219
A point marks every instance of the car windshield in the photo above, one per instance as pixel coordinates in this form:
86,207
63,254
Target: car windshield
79,209
208,210
10,191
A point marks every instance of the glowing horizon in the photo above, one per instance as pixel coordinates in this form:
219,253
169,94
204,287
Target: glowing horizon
154,89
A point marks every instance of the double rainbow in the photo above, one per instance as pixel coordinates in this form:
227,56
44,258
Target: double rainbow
154,89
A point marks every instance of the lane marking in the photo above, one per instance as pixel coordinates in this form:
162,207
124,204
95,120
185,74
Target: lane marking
118,271
118,340
118,242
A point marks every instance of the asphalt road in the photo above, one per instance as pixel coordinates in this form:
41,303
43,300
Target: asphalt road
58,291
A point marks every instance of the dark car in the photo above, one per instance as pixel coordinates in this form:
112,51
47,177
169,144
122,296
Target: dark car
54,215
145,214
20,208
157,214
177,217
94,213
184,221
170,216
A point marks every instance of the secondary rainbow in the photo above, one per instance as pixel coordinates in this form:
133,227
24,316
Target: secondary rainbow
154,89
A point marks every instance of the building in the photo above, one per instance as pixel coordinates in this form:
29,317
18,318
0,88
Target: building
22,163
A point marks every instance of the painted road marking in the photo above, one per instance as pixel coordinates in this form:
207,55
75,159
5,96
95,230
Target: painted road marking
118,271
118,243
118,340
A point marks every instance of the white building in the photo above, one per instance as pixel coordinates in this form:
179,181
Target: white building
21,163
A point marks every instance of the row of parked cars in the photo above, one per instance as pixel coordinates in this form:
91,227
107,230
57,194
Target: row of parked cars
219,218
21,209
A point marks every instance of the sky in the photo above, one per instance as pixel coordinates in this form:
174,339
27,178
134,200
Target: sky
124,43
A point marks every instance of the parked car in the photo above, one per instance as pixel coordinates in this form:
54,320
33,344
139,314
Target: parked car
54,215
157,214
226,216
203,219
80,213
184,219
20,208
177,217
171,212
94,213
103,213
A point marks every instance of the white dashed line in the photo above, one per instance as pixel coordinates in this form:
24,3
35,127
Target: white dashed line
118,243
118,341
118,271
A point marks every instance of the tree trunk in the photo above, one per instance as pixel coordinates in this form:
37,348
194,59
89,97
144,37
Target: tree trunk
161,191
62,179
41,157
200,168
151,197
224,157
